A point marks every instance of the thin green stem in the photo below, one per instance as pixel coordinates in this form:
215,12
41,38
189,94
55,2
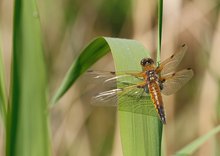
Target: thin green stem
3,97
160,21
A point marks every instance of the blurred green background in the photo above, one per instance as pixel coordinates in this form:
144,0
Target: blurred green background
80,129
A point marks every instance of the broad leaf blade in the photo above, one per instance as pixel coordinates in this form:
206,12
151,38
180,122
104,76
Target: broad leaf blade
141,129
27,131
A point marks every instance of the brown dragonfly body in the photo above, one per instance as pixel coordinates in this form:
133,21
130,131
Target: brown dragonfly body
156,97
154,88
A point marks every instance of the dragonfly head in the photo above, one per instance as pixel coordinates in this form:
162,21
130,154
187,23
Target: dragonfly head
147,62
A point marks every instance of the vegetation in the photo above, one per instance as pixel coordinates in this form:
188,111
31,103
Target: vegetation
44,104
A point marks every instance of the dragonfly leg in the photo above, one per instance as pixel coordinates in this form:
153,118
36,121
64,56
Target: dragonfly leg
142,85
146,90
158,69
140,74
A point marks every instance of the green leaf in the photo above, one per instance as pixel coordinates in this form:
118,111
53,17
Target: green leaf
140,127
27,130
3,98
192,147
93,52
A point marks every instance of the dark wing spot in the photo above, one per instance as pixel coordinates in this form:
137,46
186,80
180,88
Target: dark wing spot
183,45
173,74
172,56
188,68
112,72
163,80
161,85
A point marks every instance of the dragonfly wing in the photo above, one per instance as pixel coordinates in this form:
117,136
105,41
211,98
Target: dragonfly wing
173,82
106,98
109,94
105,80
172,62
109,77
111,97
100,75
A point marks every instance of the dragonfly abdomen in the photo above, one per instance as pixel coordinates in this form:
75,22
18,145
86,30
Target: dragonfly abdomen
156,97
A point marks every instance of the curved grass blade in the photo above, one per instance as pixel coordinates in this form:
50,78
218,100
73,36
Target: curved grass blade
93,52
141,129
3,98
27,130
192,147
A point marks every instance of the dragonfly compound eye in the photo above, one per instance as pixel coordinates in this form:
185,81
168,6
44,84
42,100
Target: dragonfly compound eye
146,61
143,62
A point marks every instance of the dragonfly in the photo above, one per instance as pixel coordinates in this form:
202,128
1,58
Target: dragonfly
153,80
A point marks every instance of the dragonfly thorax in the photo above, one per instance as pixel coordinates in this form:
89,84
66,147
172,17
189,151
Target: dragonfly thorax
151,75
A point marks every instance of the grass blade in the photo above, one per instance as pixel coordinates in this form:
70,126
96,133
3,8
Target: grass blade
141,129
159,36
192,147
217,150
93,52
160,24
27,131
3,98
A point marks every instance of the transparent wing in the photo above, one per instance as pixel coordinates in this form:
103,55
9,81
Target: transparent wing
110,97
110,94
101,74
170,64
111,77
173,82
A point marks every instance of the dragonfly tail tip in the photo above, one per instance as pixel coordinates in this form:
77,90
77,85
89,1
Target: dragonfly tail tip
163,119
